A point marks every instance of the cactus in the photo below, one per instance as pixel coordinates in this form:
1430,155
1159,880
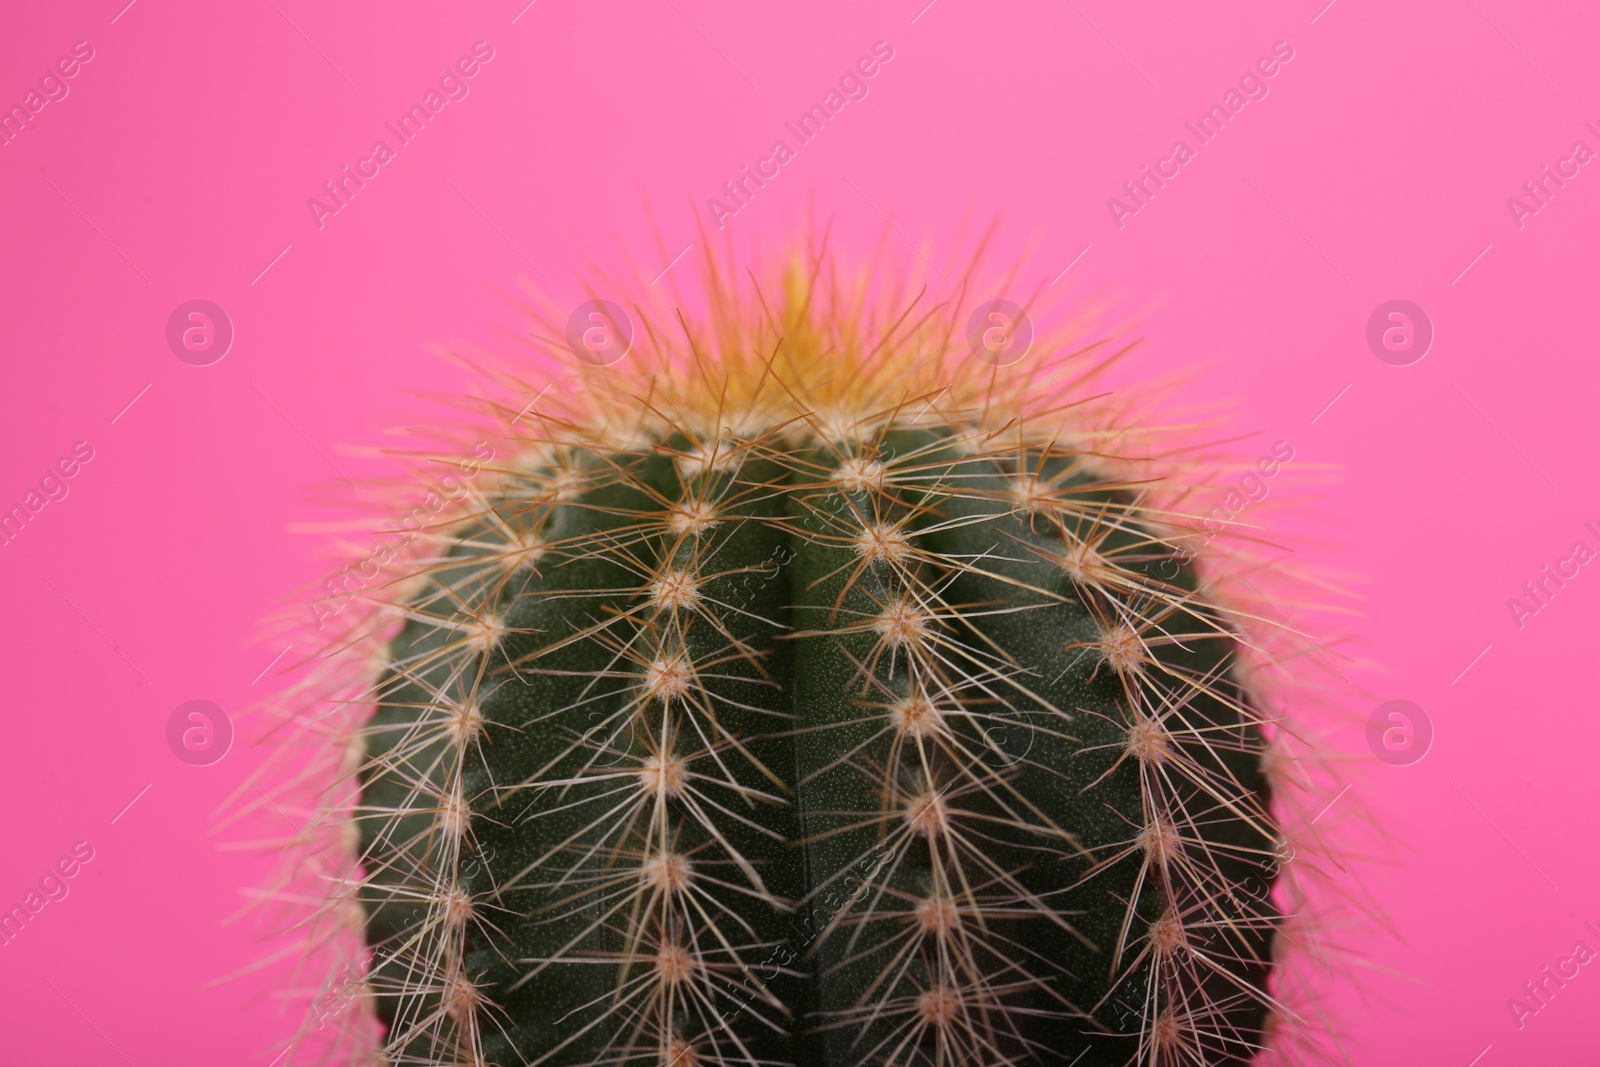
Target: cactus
804,691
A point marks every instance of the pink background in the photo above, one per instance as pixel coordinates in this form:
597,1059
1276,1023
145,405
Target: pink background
1378,167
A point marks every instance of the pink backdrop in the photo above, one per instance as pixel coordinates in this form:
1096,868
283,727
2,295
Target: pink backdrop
176,164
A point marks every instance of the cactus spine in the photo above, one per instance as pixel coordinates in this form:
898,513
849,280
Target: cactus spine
815,695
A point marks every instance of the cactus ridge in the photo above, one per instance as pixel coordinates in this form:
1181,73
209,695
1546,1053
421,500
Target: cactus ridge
829,700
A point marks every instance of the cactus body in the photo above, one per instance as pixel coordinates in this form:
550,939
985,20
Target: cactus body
749,733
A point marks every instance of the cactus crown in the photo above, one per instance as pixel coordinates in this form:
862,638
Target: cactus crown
808,692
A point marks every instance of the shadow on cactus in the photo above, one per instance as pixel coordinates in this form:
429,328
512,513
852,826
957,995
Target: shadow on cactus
802,690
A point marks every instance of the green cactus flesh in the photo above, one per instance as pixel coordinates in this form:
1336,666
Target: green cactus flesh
913,749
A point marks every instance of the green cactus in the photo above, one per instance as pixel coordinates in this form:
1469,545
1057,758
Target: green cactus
817,696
